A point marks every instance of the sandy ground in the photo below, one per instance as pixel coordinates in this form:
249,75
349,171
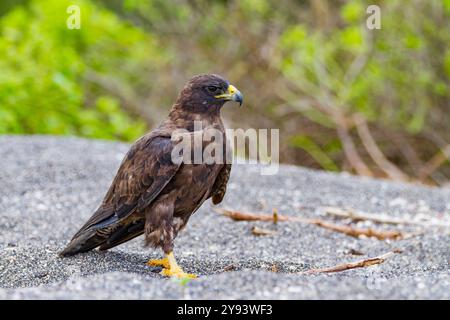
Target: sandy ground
49,186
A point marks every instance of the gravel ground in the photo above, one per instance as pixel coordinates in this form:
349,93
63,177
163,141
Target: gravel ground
49,186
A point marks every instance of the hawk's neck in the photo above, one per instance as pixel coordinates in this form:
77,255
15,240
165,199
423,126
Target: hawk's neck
182,119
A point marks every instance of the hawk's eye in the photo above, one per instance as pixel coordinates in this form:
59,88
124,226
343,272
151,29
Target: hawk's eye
212,89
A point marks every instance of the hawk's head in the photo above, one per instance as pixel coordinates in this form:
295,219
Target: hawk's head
207,91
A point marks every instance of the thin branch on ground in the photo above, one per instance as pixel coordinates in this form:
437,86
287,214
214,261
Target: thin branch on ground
229,267
357,232
246,216
348,230
262,232
353,265
361,216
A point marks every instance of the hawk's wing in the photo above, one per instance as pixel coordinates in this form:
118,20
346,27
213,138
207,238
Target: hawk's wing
144,172
220,185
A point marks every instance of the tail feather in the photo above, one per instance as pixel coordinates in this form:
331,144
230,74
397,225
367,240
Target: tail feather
88,240
124,234
105,238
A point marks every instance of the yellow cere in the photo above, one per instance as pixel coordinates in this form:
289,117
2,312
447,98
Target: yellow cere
231,90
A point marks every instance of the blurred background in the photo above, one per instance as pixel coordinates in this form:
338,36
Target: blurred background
345,98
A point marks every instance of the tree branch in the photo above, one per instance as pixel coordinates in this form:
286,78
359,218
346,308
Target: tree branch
435,162
374,151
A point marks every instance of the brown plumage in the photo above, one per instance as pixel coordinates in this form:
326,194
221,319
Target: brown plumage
154,196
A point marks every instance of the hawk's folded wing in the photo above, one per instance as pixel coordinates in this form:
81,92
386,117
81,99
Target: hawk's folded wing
143,173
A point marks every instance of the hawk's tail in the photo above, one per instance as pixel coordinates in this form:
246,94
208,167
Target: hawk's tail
88,240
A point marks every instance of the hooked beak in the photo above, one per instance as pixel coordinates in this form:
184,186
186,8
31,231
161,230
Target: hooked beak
232,94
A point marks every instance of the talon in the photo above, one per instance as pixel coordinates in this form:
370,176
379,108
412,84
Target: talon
172,269
180,274
159,263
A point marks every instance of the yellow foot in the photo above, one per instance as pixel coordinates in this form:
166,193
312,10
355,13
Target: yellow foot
172,269
159,263
177,273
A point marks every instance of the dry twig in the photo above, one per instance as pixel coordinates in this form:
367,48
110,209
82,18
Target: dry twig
360,216
245,216
348,230
357,232
229,267
262,232
353,265
355,252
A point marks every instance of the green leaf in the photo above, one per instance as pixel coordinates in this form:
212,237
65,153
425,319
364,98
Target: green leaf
314,151
353,11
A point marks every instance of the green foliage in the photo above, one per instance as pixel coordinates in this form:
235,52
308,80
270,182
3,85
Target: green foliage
397,77
305,67
321,156
42,84
400,72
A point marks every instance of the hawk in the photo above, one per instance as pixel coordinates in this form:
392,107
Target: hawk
153,195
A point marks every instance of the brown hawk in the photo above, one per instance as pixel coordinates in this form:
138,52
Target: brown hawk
153,195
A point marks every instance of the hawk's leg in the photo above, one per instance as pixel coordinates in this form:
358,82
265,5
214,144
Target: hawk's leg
174,270
159,231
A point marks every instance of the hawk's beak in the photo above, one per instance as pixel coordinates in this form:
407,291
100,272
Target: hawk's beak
232,94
